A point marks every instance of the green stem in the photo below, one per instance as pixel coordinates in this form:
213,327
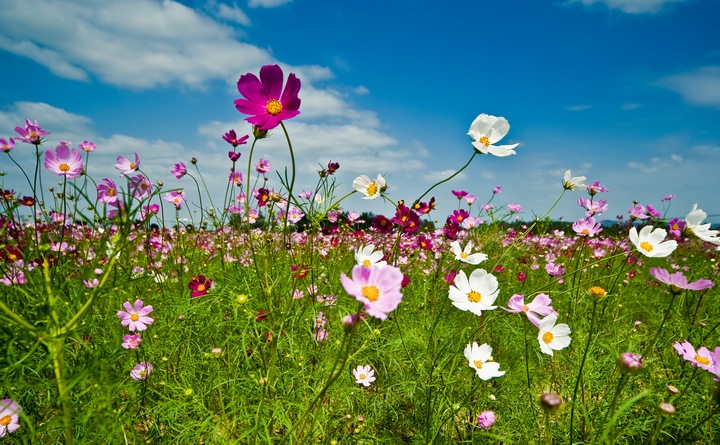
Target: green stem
582,364
57,351
292,183
449,177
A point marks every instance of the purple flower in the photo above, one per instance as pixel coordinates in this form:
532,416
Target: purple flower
541,305
127,166
264,98
131,341
637,212
263,166
630,362
140,186
231,138
677,281
667,198
595,188
497,190
702,358
586,227
87,146
135,317
233,156
31,133
459,194
6,145
675,227
141,371
179,170
514,208
486,419
176,197
378,288
64,161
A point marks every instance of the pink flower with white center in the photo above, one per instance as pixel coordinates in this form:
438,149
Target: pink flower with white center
364,375
587,227
540,306
514,208
179,170
236,178
702,358
176,197
108,192
378,288
135,317
141,371
650,242
31,133
6,145
127,166
87,146
677,281
263,166
64,161
295,215
9,416
131,341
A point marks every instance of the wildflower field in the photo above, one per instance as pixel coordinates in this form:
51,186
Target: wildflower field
283,317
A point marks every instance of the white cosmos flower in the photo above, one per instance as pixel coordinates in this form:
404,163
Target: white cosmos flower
571,182
486,130
364,375
650,242
693,221
465,255
474,294
479,359
551,336
371,188
367,256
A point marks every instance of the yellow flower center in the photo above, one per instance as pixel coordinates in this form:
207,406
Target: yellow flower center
201,287
274,107
548,337
367,263
485,141
702,360
647,247
133,166
474,297
464,255
478,364
361,377
33,135
526,307
64,167
372,189
460,218
5,421
585,231
597,291
134,317
111,192
370,292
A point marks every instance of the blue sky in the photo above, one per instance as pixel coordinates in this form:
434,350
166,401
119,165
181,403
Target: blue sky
626,92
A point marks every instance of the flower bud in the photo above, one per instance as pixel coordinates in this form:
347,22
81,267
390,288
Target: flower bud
550,401
258,133
630,362
597,292
666,408
486,419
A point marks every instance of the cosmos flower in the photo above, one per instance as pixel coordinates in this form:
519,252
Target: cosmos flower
367,256
702,358
486,419
200,286
378,288
541,305
650,242
693,222
371,188
264,98
64,161
364,375
6,145
587,227
231,138
87,146
677,281
179,170
476,293
31,133
131,341
108,192
141,371
571,182
177,197
553,337
486,130
135,317
127,166
9,416
465,255
479,358
263,166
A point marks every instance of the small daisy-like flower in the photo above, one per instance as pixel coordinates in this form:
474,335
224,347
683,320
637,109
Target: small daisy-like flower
571,182
367,256
265,100
465,254
364,375
179,170
541,305
480,359
141,371
486,130
200,286
551,336
476,293
371,188
9,416
650,242
135,317
87,146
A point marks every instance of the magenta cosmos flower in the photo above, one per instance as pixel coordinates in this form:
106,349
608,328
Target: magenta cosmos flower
126,166
200,286
265,100
377,287
135,317
678,281
31,133
64,161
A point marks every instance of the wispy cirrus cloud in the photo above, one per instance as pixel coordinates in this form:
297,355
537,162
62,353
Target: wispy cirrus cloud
633,6
698,87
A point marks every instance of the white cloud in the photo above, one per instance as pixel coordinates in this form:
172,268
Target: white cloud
579,107
233,13
699,87
630,106
444,174
267,3
656,164
633,6
63,125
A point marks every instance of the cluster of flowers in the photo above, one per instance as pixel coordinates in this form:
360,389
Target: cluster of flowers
136,318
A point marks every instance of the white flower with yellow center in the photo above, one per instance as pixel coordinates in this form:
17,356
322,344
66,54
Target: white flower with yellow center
486,130
474,294
371,188
466,255
571,182
551,336
650,242
693,221
367,256
480,359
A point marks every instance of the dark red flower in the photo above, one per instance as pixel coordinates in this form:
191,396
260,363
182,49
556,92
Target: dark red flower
200,286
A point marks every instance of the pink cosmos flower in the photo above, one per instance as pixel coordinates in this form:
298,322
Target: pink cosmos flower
265,100
596,188
364,375
127,166
378,288
179,170
135,317
715,355
541,305
263,166
200,286
31,133
486,419
587,227
87,146
141,371
514,208
176,197
701,358
231,138
140,186
459,194
6,145
131,341
236,178
64,161
679,281
108,192
497,190
638,212
9,416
